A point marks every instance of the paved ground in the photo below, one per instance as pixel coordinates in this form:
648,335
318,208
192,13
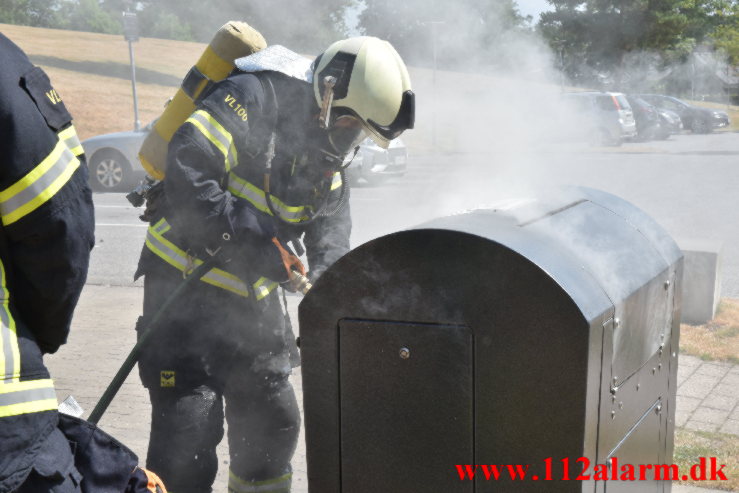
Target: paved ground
103,334
708,396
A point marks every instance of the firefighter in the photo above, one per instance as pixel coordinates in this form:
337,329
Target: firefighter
252,172
45,241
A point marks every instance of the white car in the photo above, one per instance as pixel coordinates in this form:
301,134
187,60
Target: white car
374,164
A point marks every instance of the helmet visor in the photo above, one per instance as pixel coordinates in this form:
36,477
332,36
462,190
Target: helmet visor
346,133
404,120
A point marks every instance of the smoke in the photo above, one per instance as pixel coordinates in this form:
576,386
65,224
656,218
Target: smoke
483,127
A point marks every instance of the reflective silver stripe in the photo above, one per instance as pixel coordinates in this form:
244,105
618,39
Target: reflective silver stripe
263,287
336,182
71,140
277,485
39,185
9,341
24,396
218,135
29,396
161,227
248,191
8,338
179,259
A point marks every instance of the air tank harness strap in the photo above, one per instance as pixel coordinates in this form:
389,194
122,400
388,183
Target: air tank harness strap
193,81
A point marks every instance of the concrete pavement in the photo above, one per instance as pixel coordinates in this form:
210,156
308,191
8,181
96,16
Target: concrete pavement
103,333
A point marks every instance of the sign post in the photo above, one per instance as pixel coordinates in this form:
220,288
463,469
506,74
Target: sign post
131,34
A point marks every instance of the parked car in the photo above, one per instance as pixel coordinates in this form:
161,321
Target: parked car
375,164
606,118
115,167
670,122
113,159
698,120
648,121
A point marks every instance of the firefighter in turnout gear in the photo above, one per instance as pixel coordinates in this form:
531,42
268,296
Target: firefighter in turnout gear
45,241
253,176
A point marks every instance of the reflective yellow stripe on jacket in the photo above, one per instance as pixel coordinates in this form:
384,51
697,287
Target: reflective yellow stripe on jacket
255,195
217,135
18,397
27,397
179,259
223,141
43,181
71,140
11,368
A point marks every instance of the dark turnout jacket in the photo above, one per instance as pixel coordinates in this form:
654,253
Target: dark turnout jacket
215,192
45,242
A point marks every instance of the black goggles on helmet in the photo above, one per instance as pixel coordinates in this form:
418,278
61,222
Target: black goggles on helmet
403,120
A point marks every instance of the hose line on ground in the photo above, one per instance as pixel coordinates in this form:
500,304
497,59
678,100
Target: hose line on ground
146,334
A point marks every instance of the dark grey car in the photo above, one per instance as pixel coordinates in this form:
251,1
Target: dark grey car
699,120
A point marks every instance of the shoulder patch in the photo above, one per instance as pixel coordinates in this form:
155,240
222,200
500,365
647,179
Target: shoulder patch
49,103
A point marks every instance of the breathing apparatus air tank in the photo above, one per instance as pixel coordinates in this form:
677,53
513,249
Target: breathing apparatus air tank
233,40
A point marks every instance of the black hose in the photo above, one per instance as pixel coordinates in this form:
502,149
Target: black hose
146,334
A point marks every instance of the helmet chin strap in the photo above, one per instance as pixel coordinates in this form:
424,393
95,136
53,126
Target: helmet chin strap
328,97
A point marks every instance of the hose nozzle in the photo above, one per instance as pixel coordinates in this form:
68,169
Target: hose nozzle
300,282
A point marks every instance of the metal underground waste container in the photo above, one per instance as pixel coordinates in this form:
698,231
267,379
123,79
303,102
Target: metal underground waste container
544,336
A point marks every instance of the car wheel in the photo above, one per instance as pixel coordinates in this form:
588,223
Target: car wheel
701,127
109,171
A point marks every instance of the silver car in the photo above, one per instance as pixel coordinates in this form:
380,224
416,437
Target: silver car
608,117
115,166
113,160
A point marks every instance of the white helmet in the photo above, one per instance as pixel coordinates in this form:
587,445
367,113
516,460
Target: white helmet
363,81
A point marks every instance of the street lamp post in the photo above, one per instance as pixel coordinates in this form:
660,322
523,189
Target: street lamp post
131,34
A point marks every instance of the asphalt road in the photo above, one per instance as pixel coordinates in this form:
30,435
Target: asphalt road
687,183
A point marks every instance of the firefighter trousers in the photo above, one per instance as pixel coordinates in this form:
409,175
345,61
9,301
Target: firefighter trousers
216,347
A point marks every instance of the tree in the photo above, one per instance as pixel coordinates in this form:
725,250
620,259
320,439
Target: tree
726,34
88,15
467,33
39,13
301,25
604,39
